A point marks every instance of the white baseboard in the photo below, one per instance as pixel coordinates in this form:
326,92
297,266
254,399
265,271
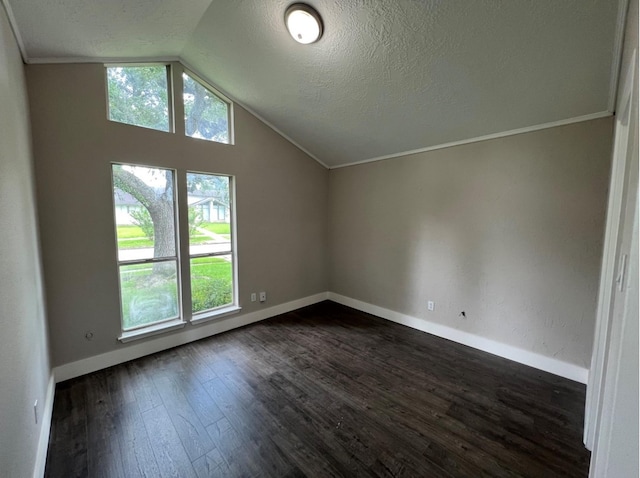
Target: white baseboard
547,364
186,335
45,429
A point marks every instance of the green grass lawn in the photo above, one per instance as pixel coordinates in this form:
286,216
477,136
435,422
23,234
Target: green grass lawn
217,227
132,237
129,232
200,239
150,295
134,243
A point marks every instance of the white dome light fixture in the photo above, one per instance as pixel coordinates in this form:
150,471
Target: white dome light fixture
303,22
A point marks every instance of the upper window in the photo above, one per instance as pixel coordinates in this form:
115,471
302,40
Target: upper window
139,95
206,116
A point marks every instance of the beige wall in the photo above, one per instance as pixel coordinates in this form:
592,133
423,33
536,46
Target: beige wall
508,230
281,205
24,355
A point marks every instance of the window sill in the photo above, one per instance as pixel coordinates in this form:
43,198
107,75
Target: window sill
151,330
215,314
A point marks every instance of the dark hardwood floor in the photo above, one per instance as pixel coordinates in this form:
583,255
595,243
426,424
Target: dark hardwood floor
322,391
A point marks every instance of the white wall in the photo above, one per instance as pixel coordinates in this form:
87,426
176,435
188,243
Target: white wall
24,354
281,200
508,230
612,415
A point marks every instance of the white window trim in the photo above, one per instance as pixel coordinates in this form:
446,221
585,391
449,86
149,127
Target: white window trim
213,314
159,328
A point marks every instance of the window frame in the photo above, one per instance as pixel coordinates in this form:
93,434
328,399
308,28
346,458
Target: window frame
221,96
233,307
170,92
160,326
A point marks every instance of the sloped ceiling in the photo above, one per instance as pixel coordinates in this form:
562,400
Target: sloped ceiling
387,77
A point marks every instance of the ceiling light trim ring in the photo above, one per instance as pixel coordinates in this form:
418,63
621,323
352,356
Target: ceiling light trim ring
297,19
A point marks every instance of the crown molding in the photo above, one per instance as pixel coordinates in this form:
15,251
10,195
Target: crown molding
618,45
503,134
14,28
107,60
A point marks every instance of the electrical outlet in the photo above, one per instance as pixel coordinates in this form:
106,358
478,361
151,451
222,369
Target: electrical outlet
431,305
254,297
263,296
35,411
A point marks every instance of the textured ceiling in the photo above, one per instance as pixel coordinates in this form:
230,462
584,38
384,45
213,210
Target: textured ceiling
388,76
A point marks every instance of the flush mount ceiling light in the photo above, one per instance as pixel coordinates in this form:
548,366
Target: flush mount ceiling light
303,22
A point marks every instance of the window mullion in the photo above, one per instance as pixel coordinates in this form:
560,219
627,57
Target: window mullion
176,70
183,238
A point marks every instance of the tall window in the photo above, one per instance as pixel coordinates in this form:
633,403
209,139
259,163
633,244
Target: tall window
148,254
139,95
147,246
206,115
211,251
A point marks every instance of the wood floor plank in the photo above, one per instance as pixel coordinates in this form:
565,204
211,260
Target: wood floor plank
67,454
171,457
140,372
238,434
321,428
138,459
193,434
204,407
212,465
321,391
300,446
103,449
353,426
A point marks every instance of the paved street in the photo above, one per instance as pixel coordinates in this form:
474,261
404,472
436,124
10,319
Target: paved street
220,244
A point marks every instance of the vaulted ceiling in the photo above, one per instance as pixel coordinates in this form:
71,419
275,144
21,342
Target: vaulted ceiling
387,77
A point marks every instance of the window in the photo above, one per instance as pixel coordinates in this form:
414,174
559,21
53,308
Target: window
147,246
211,251
206,115
148,253
139,95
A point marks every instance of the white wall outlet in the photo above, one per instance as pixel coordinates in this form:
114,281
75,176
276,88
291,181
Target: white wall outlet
263,296
254,297
35,411
431,305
